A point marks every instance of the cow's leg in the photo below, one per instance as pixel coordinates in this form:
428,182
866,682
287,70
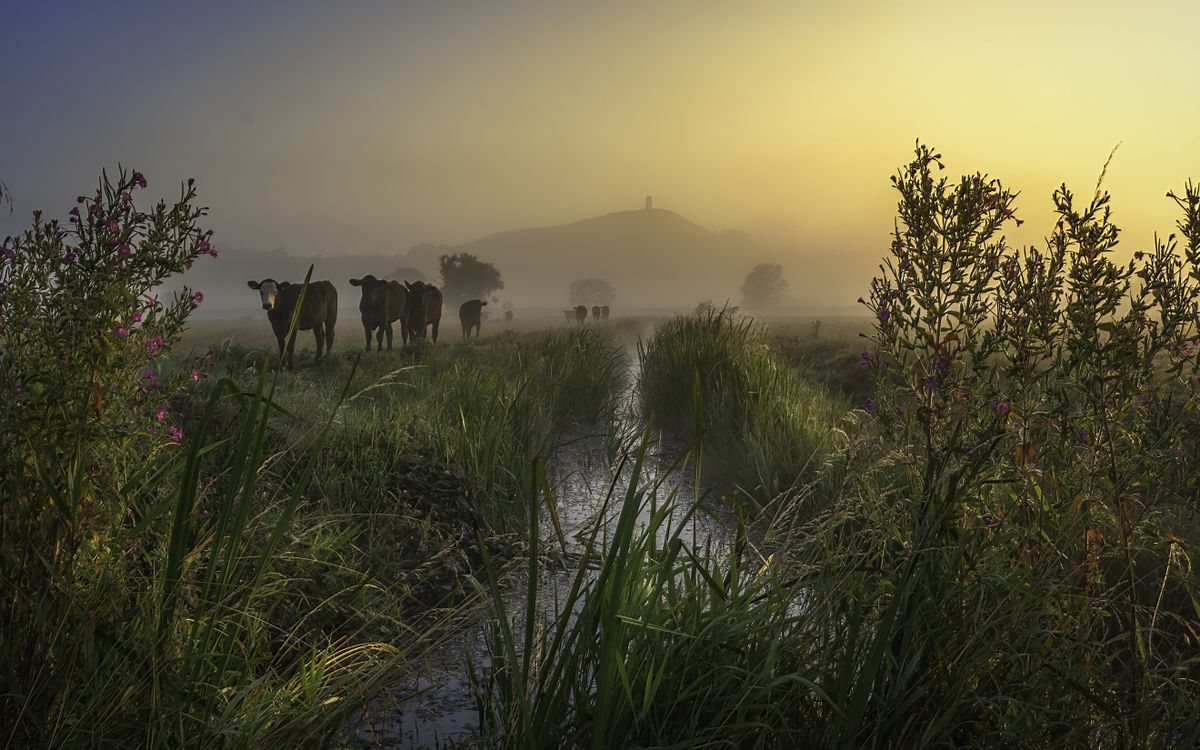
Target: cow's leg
379,339
318,333
389,335
435,327
279,338
367,334
404,331
329,335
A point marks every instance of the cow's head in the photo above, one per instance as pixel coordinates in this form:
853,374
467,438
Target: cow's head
372,288
268,290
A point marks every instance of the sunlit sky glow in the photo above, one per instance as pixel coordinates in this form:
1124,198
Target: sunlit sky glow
368,126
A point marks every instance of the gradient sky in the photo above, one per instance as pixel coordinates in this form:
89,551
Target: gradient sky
365,127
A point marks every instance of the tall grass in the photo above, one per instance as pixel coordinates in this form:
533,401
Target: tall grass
763,426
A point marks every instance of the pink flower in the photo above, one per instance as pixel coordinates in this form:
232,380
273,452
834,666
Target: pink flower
125,251
195,376
197,298
137,316
1002,409
112,225
155,344
74,213
175,433
161,414
122,331
139,179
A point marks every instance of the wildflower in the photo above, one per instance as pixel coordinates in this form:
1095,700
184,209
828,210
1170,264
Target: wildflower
864,358
74,214
18,388
80,198
25,323
10,254
121,331
1139,255
1002,409
69,258
869,406
124,251
197,298
930,384
161,413
989,519
195,376
175,433
203,247
155,344
884,315
139,179
112,225
942,364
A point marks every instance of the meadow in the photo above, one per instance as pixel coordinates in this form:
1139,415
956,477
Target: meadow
971,527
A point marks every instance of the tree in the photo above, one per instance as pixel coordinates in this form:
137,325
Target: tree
764,286
592,292
465,276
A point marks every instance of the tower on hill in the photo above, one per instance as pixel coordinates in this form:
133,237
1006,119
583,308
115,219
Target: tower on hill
649,202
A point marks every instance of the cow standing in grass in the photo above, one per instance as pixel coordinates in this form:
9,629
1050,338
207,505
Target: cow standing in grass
382,303
580,314
595,313
318,313
424,309
470,314
603,312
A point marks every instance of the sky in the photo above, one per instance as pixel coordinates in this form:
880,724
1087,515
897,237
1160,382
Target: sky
367,127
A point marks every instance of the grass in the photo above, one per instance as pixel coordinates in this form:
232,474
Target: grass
764,427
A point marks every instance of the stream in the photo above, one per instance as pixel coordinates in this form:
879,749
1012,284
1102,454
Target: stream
434,704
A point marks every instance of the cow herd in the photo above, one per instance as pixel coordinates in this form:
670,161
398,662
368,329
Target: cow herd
579,313
417,306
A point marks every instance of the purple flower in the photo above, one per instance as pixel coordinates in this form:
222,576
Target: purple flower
155,344
930,384
1085,434
121,331
1139,255
139,179
124,251
942,364
10,254
69,258
175,433
112,225
869,406
25,323
74,213
1002,409
197,298
864,358
18,388
161,414
137,316
884,315
80,198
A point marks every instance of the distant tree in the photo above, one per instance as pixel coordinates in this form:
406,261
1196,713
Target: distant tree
465,276
404,273
592,292
764,287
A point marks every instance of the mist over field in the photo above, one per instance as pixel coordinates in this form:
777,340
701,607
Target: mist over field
771,375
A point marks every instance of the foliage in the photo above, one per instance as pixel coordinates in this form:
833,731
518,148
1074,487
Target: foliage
590,292
465,276
763,426
764,287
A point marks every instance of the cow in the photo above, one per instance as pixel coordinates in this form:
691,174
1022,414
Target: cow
604,312
595,313
580,314
469,314
318,313
424,309
508,316
382,303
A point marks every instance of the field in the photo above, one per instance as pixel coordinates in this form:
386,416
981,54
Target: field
965,520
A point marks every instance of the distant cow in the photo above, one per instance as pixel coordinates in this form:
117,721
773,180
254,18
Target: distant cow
318,313
424,309
580,314
595,312
604,312
382,303
508,316
469,314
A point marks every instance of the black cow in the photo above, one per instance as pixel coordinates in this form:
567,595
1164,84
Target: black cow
382,303
580,314
318,313
424,309
469,314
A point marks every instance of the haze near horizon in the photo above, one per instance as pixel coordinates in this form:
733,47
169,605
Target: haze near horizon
369,128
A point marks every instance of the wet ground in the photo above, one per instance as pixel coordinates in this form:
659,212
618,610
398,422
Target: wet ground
433,706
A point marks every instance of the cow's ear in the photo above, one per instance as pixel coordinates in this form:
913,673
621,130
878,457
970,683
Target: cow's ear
284,284
253,284
355,282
